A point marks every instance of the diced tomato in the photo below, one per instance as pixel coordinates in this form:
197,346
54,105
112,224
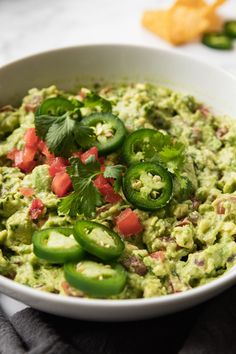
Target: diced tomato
57,164
102,168
29,153
23,162
27,192
30,138
11,154
19,158
100,181
61,184
102,161
77,154
128,223
44,149
93,151
160,255
36,209
110,196
65,286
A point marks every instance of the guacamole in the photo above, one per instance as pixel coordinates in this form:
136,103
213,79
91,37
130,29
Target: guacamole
142,200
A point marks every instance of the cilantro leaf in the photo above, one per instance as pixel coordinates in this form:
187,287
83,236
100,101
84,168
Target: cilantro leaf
42,124
70,204
164,150
92,100
84,136
85,197
63,134
83,201
116,173
173,156
158,141
113,171
59,137
183,187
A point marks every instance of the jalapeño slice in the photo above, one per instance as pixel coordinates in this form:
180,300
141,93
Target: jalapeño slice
109,130
217,40
96,279
141,145
230,28
55,106
147,185
57,245
98,240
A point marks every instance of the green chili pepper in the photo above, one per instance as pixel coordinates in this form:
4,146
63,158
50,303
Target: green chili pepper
98,240
147,186
96,279
57,245
141,145
230,28
109,130
217,40
55,106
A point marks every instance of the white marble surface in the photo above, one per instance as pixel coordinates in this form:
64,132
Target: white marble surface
30,26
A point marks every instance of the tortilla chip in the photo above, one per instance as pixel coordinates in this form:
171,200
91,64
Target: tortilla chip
187,24
190,3
157,22
185,21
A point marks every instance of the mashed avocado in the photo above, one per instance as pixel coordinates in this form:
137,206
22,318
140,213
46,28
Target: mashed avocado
187,243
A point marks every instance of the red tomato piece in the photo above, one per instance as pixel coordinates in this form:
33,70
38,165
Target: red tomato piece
93,151
100,181
102,161
22,162
160,255
102,167
11,154
44,149
110,196
57,164
77,154
30,138
36,209
29,153
61,184
128,223
27,192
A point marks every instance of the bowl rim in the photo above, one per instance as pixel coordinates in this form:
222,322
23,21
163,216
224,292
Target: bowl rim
226,279
170,51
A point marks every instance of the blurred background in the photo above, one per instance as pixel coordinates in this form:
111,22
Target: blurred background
29,26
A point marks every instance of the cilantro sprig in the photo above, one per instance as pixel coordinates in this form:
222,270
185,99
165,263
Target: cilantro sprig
63,133
86,197
167,152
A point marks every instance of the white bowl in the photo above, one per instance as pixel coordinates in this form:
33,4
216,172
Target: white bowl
70,67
